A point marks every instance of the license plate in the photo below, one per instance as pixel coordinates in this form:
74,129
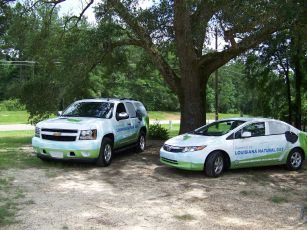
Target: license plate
56,154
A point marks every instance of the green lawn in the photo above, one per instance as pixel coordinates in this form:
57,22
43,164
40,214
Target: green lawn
16,150
21,117
164,115
13,117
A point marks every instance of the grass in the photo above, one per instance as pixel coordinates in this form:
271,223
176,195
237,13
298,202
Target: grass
8,201
186,217
279,199
15,150
13,117
166,115
21,117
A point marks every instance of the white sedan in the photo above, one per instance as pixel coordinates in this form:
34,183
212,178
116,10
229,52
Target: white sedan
237,143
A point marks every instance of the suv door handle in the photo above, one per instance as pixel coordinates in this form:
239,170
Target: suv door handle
129,123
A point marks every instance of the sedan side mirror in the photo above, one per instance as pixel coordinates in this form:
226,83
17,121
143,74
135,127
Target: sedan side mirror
122,116
60,113
246,134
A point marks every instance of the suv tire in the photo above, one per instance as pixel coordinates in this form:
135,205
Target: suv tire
141,144
106,152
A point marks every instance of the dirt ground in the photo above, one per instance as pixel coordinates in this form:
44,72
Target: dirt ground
138,192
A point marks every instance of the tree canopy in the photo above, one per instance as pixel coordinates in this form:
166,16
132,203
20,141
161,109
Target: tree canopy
132,49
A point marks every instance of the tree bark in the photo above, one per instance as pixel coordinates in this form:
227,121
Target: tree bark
192,100
298,72
288,95
298,102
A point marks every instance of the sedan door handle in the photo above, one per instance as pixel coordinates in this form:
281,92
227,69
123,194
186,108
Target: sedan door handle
129,123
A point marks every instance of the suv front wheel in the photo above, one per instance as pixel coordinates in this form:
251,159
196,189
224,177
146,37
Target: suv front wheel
106,153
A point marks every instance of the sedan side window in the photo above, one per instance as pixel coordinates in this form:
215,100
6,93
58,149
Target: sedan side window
256,129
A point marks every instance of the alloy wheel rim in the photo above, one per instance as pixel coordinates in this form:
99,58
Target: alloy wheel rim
296,159
218,165
107,152
142,142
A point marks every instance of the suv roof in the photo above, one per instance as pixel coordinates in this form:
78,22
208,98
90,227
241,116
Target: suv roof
108,99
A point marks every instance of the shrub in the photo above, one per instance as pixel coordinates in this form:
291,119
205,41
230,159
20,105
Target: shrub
11,105
157,132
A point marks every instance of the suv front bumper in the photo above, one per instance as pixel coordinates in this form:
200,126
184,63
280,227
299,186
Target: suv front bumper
62,150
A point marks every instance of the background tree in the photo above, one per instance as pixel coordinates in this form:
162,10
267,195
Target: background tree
185,25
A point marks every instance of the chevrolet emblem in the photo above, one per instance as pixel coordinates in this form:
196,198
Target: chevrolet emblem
57,134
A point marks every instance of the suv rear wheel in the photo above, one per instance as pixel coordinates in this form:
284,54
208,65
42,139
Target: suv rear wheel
106,153
141,144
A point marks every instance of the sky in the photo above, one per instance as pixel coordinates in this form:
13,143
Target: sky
76,6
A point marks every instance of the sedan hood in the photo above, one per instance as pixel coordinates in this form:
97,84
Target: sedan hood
70,123
191,140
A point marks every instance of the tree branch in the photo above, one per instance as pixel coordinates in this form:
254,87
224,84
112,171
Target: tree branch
166,71
199,22
213,61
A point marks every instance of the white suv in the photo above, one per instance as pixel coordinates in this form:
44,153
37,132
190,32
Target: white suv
90,130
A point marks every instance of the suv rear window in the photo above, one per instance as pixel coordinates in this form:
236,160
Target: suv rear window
140,107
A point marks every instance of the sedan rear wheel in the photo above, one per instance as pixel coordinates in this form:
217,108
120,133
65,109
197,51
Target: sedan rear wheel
295,159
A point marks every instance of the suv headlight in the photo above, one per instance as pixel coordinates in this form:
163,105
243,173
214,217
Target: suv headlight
37,132
88,134
193,148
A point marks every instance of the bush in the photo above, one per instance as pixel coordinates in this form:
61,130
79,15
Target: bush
11,105
157,132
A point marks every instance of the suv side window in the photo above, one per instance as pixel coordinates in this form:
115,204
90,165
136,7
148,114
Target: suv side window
131,110
256,129
120,109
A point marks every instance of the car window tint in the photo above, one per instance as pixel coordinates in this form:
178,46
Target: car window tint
120,108
141,108
256,129
277,128
131,109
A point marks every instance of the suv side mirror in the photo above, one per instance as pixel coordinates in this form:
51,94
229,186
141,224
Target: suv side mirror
122,116
246,134
60,113
139,115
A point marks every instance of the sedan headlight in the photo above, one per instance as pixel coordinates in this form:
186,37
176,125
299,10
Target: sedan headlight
179,149
37,132
88,134
193,148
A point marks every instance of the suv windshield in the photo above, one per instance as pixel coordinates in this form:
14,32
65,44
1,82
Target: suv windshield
90,109
218,128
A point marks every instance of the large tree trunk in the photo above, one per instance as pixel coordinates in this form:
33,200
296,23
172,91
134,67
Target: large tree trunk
289,97
298,102
192,100
298,72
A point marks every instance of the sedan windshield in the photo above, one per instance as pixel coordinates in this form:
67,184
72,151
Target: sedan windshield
90,109
218,128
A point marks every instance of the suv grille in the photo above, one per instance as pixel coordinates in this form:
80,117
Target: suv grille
60,130
58,138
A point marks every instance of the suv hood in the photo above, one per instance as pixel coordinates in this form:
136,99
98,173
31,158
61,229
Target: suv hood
191,140
70,123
